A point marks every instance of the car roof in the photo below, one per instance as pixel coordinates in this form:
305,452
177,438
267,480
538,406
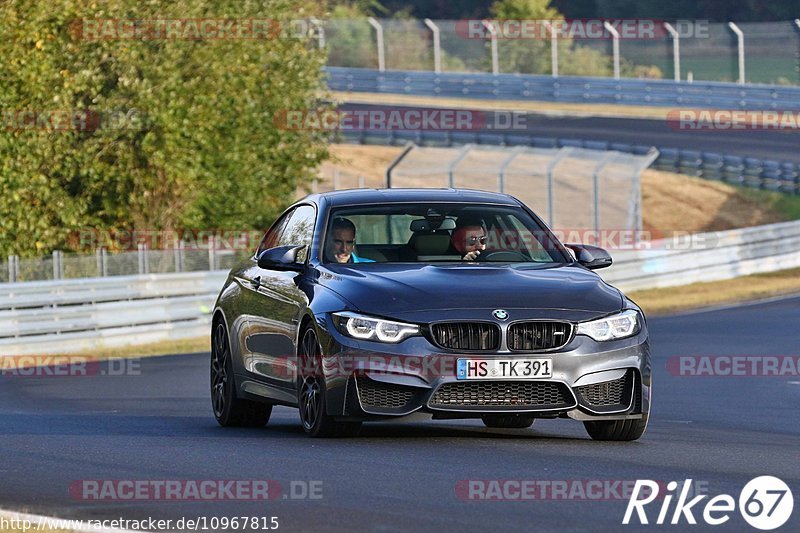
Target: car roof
382,196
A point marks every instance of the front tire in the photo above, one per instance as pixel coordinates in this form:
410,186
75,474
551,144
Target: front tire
311,392
617,430
507,421
229,410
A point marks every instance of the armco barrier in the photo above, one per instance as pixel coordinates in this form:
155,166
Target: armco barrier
63,316
715,95
771,175
70,315
708,257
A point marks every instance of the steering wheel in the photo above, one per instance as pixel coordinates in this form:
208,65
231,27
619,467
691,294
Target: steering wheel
511,256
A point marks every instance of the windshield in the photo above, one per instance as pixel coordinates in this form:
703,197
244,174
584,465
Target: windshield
432,233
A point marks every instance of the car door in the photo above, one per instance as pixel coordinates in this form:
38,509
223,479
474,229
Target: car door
278,304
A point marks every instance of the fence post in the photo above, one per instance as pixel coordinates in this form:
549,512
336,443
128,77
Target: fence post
362,183
437,46
379,37
144,260
506,162
676,49
13,268
335,179
212,253
320,31
103,262
495,55
553,48
451,169
596,187
564,152
56,267
406,149
176,256
615,46
740,46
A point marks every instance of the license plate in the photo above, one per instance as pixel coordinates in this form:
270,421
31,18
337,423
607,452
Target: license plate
504,368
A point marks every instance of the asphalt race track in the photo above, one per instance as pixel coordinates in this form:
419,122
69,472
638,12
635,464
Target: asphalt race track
157,425
762,144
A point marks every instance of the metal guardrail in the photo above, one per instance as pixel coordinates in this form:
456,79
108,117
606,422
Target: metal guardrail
60,316
71,315
709,257
666,93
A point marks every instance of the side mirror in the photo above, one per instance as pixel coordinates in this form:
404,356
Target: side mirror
592,257
280,258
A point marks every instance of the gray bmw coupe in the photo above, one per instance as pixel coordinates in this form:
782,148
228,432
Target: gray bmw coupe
372,304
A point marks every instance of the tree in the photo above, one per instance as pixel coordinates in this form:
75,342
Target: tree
533,55
197,145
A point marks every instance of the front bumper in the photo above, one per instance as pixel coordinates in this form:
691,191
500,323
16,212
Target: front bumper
590,381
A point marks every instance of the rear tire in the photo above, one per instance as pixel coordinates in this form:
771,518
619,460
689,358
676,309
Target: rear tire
311,393
507,421
617,430
229,410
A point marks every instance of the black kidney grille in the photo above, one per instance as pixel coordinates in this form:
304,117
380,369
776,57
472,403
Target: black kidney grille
532,336
615,392
522,394
378,394
474,336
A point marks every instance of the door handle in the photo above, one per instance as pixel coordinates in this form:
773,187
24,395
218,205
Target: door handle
256,282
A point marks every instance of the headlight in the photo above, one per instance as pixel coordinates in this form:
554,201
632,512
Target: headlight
618,326
369,328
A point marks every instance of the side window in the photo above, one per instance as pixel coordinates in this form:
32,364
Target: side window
270,239
299,229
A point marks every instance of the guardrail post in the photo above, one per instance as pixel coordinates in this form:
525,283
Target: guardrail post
615,44
495,55
676,49
379,38
564,152
362,183
553,48
335,179
451,169
740,46
437,46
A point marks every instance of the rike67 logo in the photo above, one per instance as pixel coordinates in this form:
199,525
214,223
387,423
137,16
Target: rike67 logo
765,503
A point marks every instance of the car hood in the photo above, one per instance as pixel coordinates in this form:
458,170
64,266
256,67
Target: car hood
397,289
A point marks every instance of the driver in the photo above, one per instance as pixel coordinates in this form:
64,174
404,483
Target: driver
469,237
340,246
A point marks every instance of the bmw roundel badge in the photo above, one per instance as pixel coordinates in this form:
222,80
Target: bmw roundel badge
500,314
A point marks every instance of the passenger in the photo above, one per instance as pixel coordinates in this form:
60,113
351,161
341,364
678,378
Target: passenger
340,247
469,238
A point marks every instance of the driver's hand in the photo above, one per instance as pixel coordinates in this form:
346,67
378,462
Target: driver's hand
471,256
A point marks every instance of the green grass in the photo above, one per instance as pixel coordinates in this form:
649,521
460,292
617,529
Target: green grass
786,205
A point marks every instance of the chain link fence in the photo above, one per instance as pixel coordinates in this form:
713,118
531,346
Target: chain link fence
571,188
705,52
102,263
